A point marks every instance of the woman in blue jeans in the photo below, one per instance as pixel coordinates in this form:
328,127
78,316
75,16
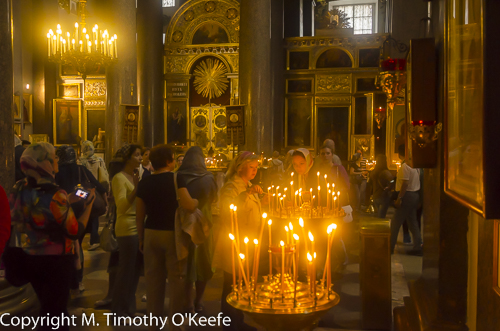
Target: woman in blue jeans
381,179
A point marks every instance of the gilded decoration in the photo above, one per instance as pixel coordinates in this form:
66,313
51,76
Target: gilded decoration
210,78
333,83
192,14
95,103
235,62
210,6
177,64
334,99
95,89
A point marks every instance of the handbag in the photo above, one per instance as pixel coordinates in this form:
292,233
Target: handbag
190,226
99,206
107,238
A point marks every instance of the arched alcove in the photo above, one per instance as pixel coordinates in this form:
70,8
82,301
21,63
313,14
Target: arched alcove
334,58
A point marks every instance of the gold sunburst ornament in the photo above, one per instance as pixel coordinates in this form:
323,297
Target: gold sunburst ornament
210,78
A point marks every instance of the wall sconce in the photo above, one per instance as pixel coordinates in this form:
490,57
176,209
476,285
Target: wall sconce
424,132
27,86
380,116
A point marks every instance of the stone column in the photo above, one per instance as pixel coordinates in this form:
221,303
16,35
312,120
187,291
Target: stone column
277,74
121,75
6,98
150,69
255,74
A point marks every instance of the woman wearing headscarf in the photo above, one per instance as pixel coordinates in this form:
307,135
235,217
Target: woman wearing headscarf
94,164
45,227
125,164
380,179
237,190
97,167
69,176
302,163
157,201
201,185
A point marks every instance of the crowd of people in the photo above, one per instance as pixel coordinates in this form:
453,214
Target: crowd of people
140,190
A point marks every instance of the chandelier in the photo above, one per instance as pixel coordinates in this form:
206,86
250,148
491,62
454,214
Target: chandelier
87,51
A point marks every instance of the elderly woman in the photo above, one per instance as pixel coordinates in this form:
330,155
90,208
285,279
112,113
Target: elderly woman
44,228
201,185
237,190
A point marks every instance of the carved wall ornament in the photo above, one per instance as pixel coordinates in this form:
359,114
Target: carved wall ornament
95,89
177,64
340,83
189,15
177,36
235,62
232,13
95,103
210,6
334,99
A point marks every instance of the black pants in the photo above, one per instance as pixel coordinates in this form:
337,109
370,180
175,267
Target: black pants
51,277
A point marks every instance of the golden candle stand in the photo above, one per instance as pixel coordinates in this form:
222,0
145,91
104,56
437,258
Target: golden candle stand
284,303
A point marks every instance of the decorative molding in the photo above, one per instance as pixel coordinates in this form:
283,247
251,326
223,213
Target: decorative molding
333,83
375,40
192,14
95,103
177,64
234,60
194,50
95,89
334,99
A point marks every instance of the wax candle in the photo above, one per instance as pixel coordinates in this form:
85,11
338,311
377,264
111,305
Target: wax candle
269,200
309,270
301,223
270,253
318,177
232,259
334,205
282,270
326,270
314,275
287,235
291,188
246,240
235,208
242,257
312,205
319,197
256,258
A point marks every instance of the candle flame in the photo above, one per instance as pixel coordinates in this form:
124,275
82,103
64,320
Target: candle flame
282,243
291,183
333,185
231,207
255,241
338,193
264,215
309,257
235,208
310,190
286,228
311,237
314,197
242,256
326,176
296,192
329,229
295,236
292,174
246,240
317,173
315,255
277,187
334,226
319,188
300,189
231,236
335,198
268,188
328,185
290,225
301,222
270,222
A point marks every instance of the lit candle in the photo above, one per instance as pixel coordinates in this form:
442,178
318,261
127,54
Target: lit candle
269,200
236,227
76,32
81,46
309,270
281,202
338,200
248,256
270,253
290,226
334,203
116,47
282,270
242,257
73,44
233,247
327,262
314,275
48,43
311,238
287,235
295,200
301,223
319,197
318,177
291,187
312,204
256,262
272,201
296,238
328,196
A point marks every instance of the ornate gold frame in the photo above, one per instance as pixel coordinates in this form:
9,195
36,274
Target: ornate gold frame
78,96
188,118
29,106
370,137
333,104
85,119
54,108
308,50
319,51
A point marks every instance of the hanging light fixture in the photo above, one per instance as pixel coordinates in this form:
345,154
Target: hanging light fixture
86,50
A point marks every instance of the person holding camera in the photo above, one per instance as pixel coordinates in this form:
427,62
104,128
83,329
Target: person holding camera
44,227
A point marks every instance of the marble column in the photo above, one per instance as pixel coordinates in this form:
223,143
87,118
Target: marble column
6,98
255,75
121,75
150,69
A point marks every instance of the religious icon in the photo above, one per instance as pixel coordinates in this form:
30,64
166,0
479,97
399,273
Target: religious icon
234,118
299,121
334,58
66,121
17,107
220,121
176,122
200,121
210,33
